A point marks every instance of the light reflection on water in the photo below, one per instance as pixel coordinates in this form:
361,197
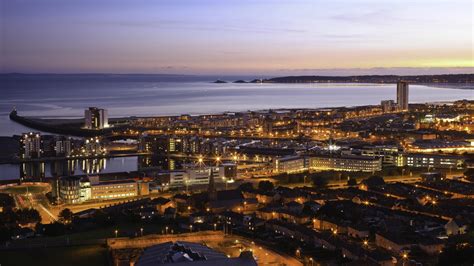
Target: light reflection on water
85,166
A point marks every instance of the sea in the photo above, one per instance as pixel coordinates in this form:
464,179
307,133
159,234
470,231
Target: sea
66,96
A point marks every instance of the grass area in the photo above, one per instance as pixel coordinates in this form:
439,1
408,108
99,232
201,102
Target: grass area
125,229
23,189
79,255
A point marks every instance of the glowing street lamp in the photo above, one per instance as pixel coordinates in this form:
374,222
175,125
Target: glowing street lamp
404,257
116,233
141,231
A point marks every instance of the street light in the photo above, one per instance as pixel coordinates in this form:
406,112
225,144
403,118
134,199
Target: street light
190,228
166,230
141,231
215,226
116,233
311,260
404,257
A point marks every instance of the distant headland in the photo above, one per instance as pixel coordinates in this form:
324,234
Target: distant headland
413,79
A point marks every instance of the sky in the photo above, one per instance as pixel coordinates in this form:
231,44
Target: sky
333,37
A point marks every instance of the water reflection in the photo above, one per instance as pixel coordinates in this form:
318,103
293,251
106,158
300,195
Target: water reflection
62,168
93,166
159,163
39,170
33,169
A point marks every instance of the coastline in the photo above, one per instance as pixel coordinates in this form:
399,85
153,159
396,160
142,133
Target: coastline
72,127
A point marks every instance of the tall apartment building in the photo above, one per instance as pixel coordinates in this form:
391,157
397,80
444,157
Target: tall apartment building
402,95
96,118
30,145
387,106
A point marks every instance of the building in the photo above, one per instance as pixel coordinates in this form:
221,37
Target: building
346,163
181,253
62,146
434,161
161,144
435,146
195,175
93,147
96,118
402,95
228,171
388,106
456,227
114,189
73,189
30,145
70,189
178,179
289,164
388,153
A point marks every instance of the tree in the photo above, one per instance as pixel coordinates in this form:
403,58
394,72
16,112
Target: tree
265,185
457,255
26,216
247,186
352,182
374,181
65,216
469,172
319,181
54,229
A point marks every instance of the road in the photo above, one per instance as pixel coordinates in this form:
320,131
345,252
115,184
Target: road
33,196
37,201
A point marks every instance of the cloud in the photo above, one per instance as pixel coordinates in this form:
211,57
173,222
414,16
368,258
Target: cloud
364,17
185,25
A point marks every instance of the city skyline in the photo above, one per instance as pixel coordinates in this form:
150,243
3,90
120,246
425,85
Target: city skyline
238,37
237,132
